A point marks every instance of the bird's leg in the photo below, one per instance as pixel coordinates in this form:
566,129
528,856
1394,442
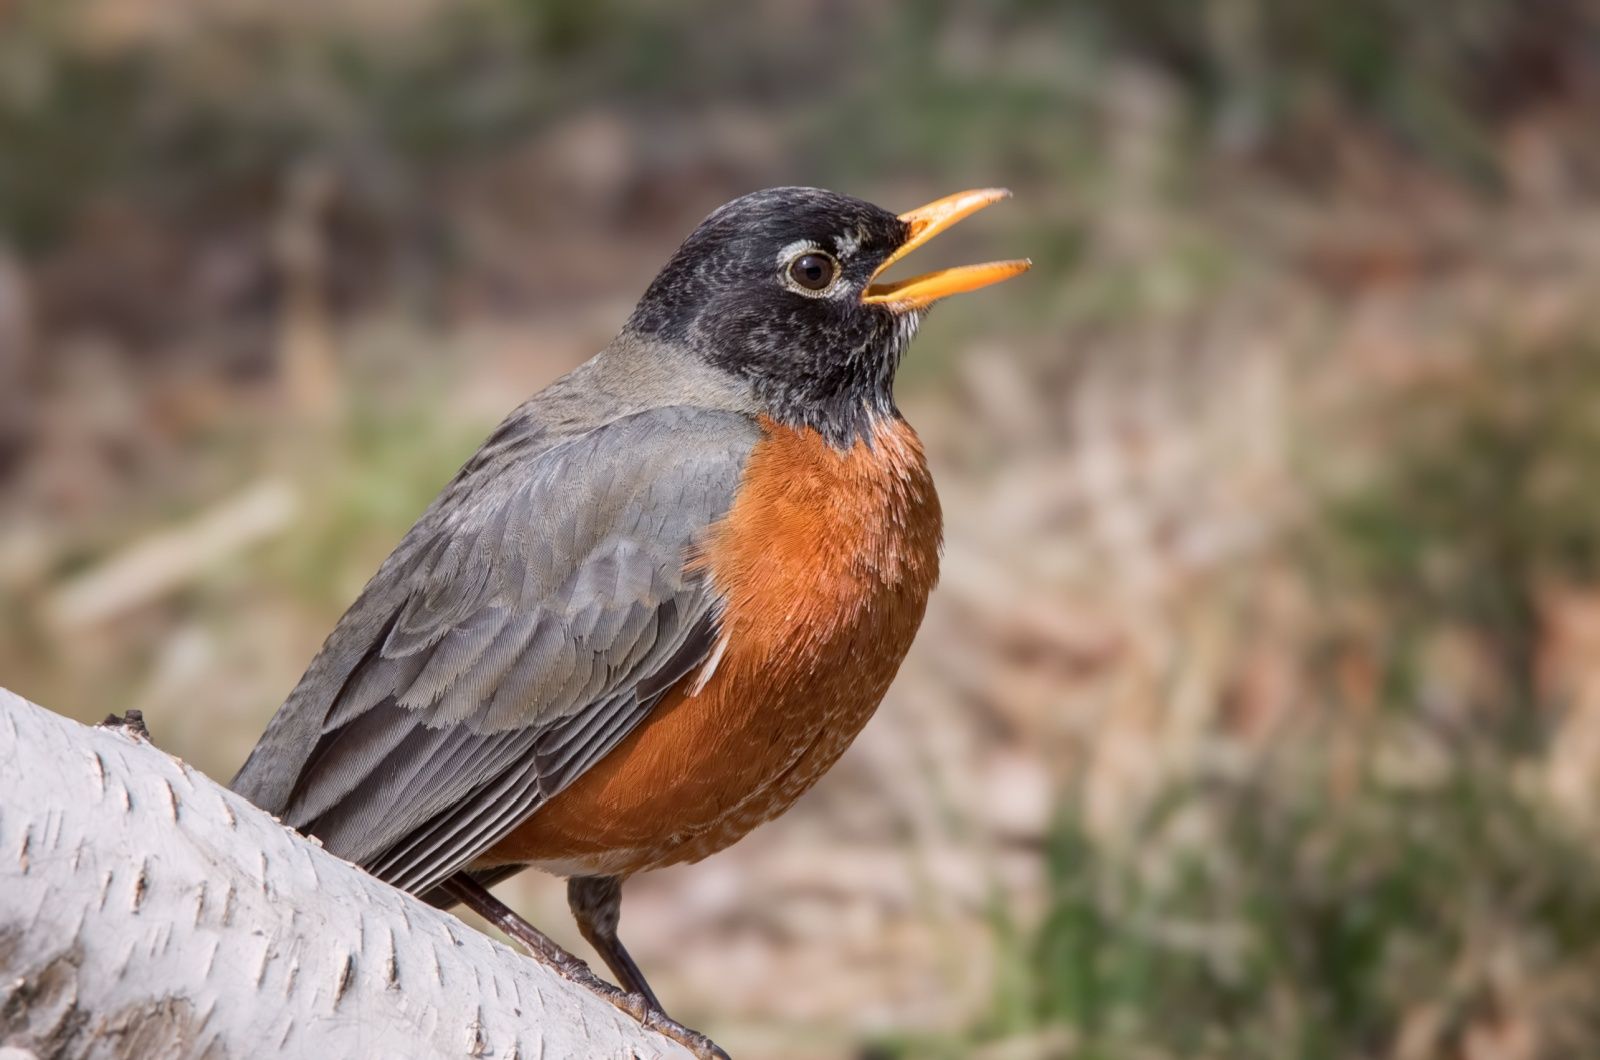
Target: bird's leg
476,897
640,1005
596,903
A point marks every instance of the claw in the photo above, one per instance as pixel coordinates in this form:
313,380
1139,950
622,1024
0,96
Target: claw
636,1006
698,1044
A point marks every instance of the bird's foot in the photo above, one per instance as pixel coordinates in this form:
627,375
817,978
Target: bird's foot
691,1039
577,971
544,950
637,1006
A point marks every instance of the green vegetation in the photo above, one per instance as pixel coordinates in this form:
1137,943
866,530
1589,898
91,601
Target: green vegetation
862,91
1285,74
1286,918
1485,497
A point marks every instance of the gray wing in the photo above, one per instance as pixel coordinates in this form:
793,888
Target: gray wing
523,627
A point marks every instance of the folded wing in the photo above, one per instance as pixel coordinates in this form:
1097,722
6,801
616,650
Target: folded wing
527,623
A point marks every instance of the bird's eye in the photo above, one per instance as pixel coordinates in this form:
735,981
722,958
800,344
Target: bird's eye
813,270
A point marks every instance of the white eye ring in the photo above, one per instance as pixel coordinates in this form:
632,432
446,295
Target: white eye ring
790,260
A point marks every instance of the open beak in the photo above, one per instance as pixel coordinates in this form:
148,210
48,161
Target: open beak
925,222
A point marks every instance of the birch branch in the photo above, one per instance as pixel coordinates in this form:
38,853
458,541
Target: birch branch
146,912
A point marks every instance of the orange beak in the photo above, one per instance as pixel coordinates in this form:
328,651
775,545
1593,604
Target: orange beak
926,222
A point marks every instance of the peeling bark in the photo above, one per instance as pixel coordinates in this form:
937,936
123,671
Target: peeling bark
147,912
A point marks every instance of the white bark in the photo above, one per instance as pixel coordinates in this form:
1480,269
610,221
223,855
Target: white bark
147,912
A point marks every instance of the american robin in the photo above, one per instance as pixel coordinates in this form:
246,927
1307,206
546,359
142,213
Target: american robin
660,600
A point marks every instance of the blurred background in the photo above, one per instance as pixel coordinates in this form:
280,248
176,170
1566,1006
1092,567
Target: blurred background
1258,712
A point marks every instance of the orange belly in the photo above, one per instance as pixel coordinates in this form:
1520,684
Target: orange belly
825,561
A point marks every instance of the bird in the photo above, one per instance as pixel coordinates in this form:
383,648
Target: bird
660,600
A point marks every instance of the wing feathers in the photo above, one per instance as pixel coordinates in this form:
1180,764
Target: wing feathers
527,623
453,654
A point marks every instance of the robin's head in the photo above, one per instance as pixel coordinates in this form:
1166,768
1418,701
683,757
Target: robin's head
779,289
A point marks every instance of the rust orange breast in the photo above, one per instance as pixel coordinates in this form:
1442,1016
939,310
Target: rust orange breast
825,561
